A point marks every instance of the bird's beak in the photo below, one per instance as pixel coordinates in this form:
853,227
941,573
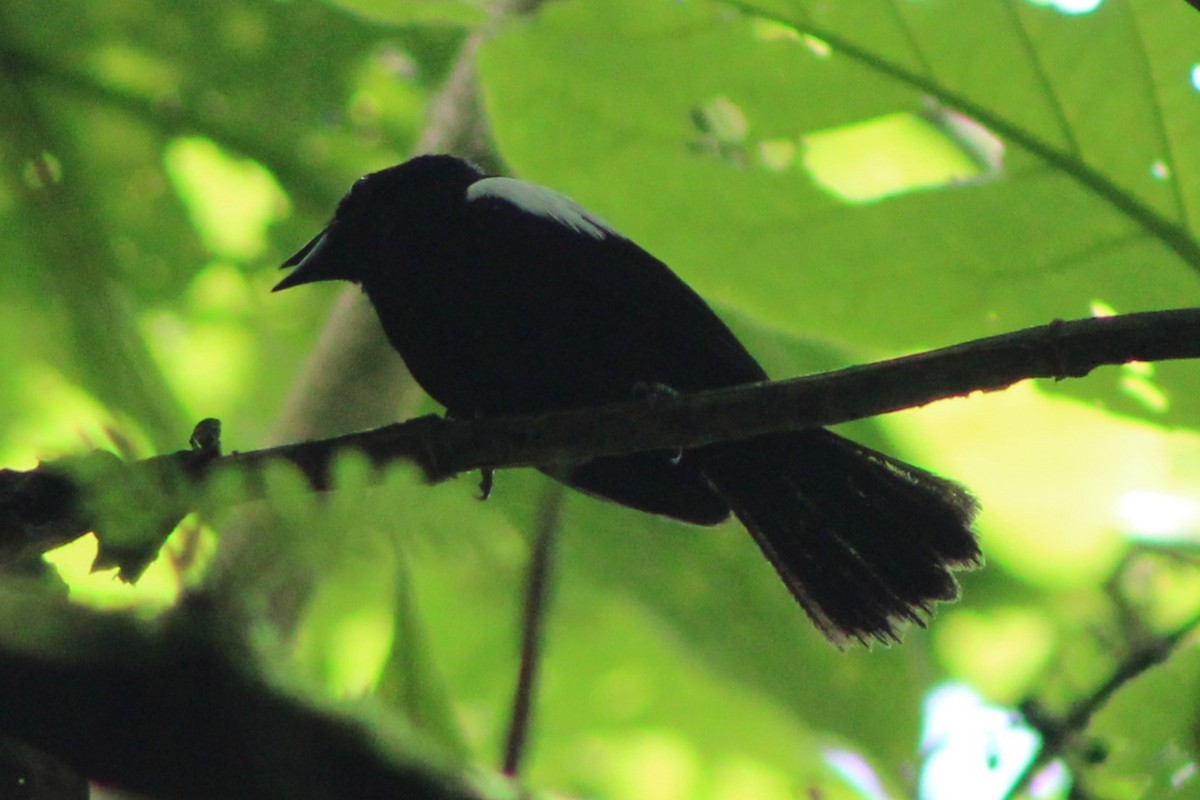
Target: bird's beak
313,262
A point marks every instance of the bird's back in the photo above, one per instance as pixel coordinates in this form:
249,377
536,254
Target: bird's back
509,311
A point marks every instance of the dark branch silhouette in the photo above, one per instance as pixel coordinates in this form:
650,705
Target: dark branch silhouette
1059,733
533,619
58,501
178,708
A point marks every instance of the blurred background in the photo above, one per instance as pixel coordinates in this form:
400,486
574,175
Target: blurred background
843,182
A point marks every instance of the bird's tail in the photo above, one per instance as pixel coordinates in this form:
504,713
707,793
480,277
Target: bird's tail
865,542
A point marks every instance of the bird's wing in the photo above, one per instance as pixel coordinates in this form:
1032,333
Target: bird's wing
570,262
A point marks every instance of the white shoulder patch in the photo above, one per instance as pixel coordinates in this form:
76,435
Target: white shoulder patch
542,202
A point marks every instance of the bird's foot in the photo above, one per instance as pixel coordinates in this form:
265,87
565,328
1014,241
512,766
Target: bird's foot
653,393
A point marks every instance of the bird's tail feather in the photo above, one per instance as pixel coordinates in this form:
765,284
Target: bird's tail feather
865,542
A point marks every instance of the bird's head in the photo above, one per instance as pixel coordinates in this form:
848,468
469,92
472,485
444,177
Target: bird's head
378,213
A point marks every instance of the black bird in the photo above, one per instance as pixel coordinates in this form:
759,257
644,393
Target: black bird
508,298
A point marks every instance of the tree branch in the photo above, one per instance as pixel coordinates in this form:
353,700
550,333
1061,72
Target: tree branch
533,621
1059,350
1059,733
443,448
175,707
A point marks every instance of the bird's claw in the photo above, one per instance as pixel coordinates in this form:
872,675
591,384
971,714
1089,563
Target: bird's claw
206,437
653,391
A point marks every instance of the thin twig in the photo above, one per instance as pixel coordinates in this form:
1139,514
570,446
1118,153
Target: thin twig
541,565
1057,733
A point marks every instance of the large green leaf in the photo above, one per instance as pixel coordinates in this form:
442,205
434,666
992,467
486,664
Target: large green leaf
1092,201
445,12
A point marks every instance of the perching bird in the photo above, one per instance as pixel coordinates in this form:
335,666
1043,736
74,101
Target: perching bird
508,298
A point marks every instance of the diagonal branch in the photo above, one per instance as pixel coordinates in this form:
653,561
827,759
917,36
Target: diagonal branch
1059,733
443,448
1059,350
176,707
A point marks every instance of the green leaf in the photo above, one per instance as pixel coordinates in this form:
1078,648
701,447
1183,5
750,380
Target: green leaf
1090,205
436,12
